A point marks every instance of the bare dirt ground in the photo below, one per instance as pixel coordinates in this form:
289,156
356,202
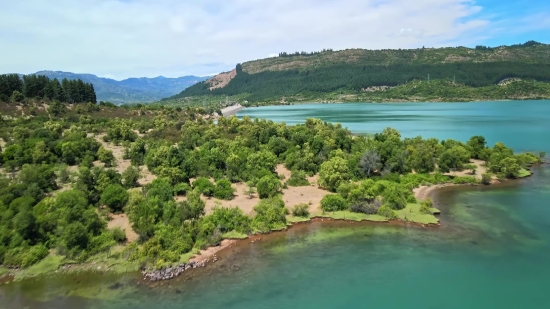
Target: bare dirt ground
481,169
211,251
121,221
311,195
222,79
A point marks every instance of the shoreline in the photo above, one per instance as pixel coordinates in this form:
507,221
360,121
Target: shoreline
211,255
392,102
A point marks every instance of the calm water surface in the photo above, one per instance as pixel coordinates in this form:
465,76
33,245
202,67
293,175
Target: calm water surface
490,252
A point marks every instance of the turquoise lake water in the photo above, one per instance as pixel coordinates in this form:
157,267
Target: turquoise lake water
491,251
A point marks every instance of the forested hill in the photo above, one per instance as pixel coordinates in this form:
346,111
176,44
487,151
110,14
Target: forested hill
131,89
359,72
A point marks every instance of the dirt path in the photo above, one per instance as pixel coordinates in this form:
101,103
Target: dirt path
121,221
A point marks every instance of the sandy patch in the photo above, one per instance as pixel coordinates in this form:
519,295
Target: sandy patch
282,170
121,221
211,251
146,176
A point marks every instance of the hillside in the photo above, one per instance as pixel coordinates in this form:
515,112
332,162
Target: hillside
358,73
131,89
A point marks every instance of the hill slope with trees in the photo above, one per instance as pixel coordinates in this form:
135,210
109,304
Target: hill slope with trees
363,74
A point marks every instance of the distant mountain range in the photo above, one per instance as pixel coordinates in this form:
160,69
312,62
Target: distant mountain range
132,89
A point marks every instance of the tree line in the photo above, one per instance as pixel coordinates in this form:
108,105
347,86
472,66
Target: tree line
303,53
15,88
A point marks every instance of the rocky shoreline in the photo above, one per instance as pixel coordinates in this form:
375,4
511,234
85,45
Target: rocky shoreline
173,271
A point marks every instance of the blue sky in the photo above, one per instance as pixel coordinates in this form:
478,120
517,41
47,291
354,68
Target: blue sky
134,38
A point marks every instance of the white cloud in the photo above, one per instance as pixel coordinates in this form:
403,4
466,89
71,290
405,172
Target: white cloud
171,37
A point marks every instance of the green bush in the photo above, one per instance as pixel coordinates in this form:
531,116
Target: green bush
270,215
34,255
268,186
181,188
486,179
223,190
118,235
426,207
387,212
115,197
297,179
301,210
130,177
204,186
333,202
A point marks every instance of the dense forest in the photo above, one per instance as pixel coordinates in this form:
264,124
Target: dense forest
275,84
313,75
13,88
62,182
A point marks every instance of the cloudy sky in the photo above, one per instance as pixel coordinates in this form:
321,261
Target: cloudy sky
134,38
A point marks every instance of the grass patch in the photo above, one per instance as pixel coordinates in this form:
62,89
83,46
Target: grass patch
411,213
234,235
524,173
293,219
187,256
353,216
49,264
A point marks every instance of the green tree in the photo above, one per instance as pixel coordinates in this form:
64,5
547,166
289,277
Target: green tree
510,167
223,190
333,173
270,215
130,177
268,186
333,202
115,197
106,156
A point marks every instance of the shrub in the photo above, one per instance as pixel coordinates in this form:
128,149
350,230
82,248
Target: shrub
301,210
333,202
395,197
181,188
426,207
297,179
118,235
366,207
270,215
387,212
130,177
204,186
268,186
486,179
115,197
223,190
106,156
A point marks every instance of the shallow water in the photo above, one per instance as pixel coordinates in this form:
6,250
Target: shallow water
490,252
